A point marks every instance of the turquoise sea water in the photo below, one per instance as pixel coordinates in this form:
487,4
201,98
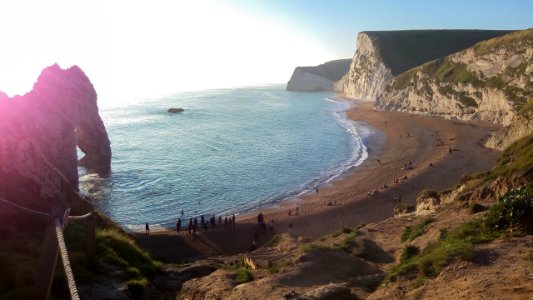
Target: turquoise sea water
232,150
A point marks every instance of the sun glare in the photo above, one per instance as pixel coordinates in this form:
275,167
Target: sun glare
133,49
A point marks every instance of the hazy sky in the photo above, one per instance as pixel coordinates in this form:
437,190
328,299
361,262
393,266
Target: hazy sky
148,48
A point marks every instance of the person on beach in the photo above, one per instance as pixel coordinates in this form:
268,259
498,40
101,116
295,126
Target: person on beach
202,220
219,220
233,220
147,228
194,228
226,222
178,225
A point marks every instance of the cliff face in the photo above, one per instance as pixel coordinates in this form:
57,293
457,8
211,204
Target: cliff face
367,72
521,126
490,81
319,78
380,55
39,133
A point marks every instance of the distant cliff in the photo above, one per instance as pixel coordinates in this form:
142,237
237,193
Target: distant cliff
380,55
318,78
490,81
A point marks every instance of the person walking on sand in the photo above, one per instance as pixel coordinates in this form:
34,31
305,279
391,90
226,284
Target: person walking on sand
147,228
178,225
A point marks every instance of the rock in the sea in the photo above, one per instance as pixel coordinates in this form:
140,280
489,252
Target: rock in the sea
39,136
175,110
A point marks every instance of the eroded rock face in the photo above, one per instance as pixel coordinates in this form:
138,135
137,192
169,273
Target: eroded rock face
490,82
368,74
39,133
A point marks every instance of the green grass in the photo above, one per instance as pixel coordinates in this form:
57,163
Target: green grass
274,241
243,275
348,239
448,74
527,109
411,233
404,49
516,159
511,214
21,246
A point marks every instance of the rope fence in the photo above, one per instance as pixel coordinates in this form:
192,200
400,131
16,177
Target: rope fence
66,263
60,241
25,208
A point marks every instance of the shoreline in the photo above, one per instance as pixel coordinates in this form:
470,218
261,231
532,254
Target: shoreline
348,194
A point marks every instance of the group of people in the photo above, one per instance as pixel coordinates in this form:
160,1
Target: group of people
229,222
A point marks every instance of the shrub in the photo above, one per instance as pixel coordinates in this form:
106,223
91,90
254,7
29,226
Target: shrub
136,287
409,252
243,276
411,233
474,208
514,210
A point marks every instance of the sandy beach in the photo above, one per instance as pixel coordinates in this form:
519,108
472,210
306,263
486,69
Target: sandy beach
401,139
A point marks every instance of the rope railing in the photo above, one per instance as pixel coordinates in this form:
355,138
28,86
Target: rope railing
80,217
66,263
60,241
25,208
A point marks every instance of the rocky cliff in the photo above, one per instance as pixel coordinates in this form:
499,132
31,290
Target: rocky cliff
39,134
521,125
318,78
490,81
380,55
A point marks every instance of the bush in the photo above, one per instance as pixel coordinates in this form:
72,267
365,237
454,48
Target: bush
513,211
136,287
474,208
274,241
243,276
409,252
410,234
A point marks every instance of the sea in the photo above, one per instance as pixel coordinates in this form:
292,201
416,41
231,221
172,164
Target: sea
231,151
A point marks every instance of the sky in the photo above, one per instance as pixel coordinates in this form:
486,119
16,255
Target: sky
135,49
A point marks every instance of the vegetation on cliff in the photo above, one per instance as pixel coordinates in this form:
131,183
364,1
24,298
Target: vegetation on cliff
117,253
511,215
405,49
447,72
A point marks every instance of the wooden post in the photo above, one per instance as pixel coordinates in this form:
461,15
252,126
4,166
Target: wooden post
47,263
49,255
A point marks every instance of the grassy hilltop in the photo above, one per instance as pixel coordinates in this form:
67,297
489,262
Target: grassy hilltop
405,49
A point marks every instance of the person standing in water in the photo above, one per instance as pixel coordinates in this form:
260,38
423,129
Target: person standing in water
147,228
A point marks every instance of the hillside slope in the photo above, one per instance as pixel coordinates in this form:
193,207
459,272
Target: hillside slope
380,55
490,81
318,78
